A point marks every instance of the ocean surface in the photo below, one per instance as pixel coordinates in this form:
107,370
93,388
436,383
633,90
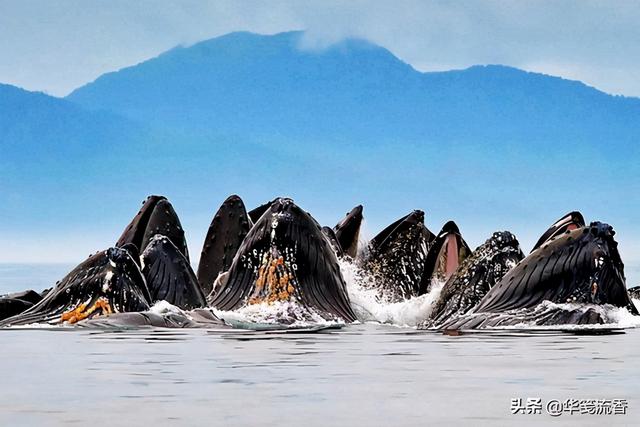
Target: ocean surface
367,374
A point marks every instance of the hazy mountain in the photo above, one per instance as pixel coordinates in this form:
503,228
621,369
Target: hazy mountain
56,127
52,148
490,146
258,85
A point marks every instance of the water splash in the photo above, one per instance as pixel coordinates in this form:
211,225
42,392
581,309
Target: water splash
285,313
612,316
364,237
162,307
623,318
369,307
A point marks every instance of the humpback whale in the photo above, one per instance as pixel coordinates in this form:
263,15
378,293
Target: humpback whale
397,255
109,281
347,231
561,282
228,228
149,263
155,240
285,258
278,256
445,255
169,275
155,217
476,276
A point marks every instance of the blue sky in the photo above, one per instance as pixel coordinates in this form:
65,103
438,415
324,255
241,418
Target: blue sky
58,46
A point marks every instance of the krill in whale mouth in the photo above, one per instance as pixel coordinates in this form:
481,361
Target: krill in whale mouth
107,282
285,258
276,279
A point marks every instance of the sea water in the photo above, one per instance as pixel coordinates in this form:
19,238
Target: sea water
382,372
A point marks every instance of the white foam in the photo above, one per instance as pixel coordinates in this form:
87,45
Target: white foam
614,317
370,308
623,318
288,313
41,326
163,307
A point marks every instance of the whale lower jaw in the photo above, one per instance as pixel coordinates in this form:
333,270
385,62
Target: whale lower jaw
545,314
289,312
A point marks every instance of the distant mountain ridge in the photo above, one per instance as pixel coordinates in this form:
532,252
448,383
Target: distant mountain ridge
489,146
275,85
56,124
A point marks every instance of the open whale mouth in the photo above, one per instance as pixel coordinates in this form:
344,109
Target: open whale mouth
475,277
396,257
452,252
581,268
347,231
569,222
285,258
449,259
446,254
107,282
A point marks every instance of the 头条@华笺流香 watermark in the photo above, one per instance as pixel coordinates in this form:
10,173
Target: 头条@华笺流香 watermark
556,407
